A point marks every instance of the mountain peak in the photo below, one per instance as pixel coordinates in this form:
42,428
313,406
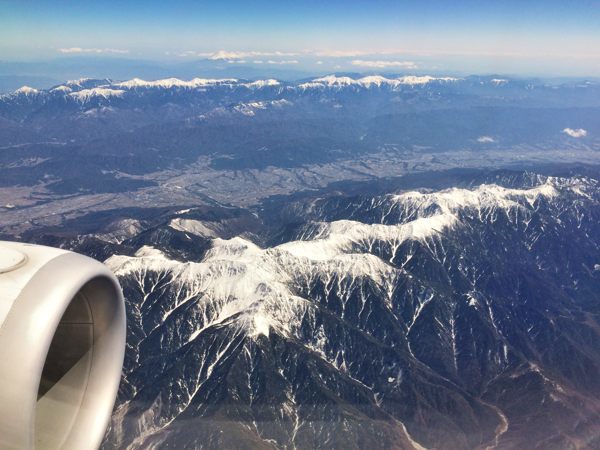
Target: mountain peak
26,90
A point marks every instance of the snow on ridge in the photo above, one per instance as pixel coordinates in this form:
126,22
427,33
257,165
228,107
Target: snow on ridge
376,80
411,79
168,83
237,281
62,88
372,80
87,94
78,81
450,201
339,237
498,81
146,257
262,83
107,87
332,80
149,251
26,90
234,249
249,109
242,282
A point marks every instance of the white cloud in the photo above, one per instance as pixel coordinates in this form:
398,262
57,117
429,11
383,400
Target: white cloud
242,57
226,54
195,54
384,64
223,54
289,61
576,133
339,53
485,139
319,62
71,50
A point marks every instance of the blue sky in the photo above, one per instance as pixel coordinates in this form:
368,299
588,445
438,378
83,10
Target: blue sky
530,37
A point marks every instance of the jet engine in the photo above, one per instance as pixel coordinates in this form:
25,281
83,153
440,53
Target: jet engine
62,343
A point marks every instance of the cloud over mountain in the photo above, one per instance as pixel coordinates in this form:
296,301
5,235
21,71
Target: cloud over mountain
576,133
384,64
77,50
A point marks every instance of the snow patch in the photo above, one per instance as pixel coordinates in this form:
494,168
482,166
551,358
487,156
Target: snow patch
262,325
473,301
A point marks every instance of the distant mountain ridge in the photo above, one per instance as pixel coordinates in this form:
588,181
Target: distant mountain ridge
86,89
117,130
84,84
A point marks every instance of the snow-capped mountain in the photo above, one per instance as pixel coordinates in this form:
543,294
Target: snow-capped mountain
332,81
137,84
147,126
462,317
135,87
88,93
329,262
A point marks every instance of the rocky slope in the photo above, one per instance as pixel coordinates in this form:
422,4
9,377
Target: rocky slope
451,318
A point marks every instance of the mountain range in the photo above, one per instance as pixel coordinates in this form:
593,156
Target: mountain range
344,262
450,314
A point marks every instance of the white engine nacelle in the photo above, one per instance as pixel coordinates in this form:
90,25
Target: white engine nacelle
62,342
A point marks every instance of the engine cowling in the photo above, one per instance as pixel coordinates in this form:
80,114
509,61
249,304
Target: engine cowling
62,343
